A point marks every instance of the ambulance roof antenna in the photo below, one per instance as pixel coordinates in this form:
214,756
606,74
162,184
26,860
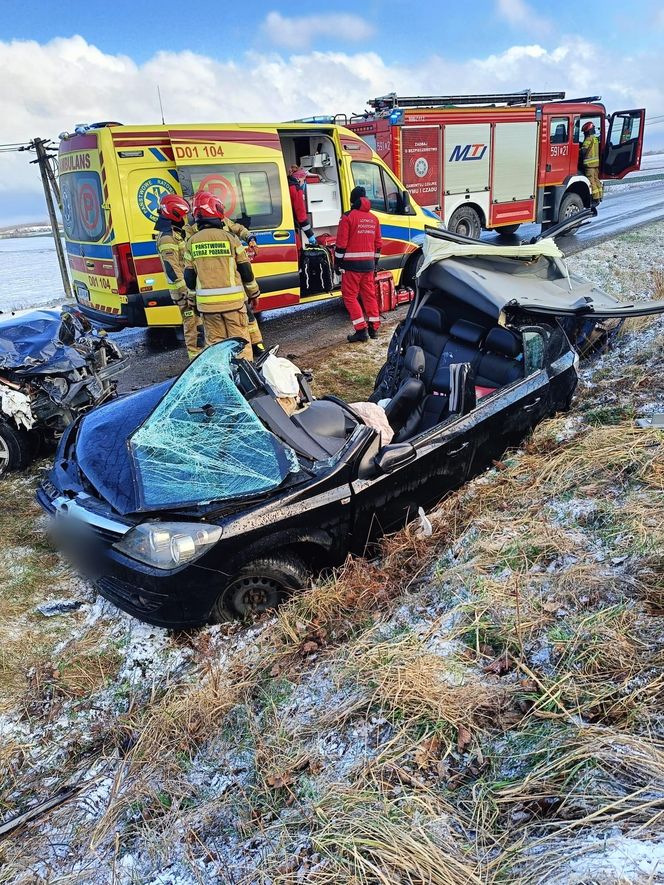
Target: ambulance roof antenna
161,107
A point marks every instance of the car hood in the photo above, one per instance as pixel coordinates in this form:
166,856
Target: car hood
40,342
184,443
533,277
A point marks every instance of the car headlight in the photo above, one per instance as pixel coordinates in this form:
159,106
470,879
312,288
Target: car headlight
168,544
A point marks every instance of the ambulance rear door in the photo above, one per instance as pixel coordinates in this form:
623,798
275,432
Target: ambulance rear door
624,143
88,230
245,168
147,173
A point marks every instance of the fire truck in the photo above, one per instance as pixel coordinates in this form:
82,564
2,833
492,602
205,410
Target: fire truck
498,161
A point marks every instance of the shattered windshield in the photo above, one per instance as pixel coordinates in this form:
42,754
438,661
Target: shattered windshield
203,442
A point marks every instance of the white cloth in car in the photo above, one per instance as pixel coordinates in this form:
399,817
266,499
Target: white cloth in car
281,376
375,417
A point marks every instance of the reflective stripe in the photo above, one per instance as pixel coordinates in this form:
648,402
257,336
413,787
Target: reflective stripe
359,322
229,293
374,319
359,254
210,249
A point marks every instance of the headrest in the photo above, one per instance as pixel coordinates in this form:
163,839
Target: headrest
414,361
468,332
430,318
502,341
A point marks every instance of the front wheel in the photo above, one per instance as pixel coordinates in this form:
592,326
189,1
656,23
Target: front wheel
16,448
261,585
465,221
571,204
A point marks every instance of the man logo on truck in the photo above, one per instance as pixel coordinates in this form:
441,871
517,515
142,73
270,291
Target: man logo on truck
468,152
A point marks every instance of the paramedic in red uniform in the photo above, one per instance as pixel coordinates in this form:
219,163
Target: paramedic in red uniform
356,254
296,191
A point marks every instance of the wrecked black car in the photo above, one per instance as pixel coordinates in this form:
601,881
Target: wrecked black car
207,497
53,368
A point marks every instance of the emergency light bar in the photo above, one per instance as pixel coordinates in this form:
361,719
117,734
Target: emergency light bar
388,102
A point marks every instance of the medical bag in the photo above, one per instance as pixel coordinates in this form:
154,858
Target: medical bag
315,271
385,292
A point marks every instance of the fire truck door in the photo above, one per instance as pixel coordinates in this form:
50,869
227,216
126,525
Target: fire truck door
557,148
624,142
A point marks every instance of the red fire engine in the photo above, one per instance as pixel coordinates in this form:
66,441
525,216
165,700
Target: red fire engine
497,161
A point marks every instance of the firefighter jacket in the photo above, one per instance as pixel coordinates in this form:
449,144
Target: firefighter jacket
299,205
590,151
240,231
170,245
218,268
358,239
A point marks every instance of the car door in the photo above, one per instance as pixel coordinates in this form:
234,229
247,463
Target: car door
624,143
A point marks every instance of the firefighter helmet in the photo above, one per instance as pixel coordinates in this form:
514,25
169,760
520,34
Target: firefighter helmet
588,128
206,205
174,207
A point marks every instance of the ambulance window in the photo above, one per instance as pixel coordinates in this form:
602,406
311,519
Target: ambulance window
368,176
82,214
250,192
559,130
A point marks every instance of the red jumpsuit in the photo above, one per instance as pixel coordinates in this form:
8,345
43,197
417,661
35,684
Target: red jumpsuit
357,252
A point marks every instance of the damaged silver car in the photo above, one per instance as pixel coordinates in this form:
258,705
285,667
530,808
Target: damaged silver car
53,368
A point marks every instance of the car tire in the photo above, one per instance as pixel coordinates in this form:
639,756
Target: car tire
570,205
16,448
507,230
259,586
465,221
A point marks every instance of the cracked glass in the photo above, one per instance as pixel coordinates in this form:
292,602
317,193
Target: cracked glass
202,442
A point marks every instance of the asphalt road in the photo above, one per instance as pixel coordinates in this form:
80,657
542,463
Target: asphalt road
302,332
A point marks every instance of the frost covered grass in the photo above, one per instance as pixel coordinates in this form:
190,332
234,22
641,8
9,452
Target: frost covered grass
484,705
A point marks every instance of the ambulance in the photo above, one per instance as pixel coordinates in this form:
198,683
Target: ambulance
112,178
498,161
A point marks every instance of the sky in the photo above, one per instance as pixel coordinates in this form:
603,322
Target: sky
214,61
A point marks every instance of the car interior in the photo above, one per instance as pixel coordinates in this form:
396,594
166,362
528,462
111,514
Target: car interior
494,356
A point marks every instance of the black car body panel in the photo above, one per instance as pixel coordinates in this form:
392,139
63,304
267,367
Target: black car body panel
476,372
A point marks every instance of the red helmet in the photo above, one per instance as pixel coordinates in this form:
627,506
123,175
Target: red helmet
174,207
206,205
588,127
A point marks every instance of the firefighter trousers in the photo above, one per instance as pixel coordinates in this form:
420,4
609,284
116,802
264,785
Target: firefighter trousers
190,320
255,334
358,291
229,324
596,186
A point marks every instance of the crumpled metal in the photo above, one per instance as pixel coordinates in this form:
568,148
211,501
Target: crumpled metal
41,341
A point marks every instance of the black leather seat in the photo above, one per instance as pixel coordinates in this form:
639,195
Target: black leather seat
411,392
431,335
462,346
502,361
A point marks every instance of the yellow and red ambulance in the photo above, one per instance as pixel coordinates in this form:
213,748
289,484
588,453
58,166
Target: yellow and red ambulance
112,178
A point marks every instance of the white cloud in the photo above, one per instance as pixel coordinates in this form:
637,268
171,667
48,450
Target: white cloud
299,32
52,86
521,16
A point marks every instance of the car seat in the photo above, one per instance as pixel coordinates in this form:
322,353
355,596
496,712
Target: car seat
462,346
412,389
502,361
429,333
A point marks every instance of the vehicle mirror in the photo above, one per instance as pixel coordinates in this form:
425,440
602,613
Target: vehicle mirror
391,457
405,203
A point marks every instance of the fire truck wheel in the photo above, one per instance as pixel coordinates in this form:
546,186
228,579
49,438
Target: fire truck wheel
570,205
507,230
465,221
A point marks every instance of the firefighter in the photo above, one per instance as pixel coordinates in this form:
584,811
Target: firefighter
590,153
296,191
173,230
356,254
245,234
218,269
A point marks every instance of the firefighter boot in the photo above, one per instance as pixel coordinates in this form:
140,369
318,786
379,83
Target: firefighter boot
360,335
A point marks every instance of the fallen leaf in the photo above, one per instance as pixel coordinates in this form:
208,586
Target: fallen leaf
427,751
499,666
309,647
464,738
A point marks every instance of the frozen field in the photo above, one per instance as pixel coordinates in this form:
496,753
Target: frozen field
29,273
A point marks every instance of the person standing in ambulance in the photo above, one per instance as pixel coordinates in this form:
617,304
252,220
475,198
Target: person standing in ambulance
243,233
296,192
217,267
356,255
173,230
590,154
